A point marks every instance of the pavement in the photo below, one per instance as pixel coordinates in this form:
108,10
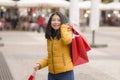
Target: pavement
22,49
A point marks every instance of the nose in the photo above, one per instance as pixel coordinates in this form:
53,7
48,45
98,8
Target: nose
56,21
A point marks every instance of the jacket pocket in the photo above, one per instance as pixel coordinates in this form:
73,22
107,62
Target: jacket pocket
63,59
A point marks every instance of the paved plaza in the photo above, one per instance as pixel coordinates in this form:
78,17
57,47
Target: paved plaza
22,49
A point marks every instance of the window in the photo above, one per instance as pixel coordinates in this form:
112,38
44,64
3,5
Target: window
107,1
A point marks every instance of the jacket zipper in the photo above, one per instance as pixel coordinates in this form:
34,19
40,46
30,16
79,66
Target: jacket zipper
52,56
63,59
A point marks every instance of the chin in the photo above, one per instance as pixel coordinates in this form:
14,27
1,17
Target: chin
56,28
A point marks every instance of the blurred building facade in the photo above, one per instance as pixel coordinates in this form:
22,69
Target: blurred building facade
110,17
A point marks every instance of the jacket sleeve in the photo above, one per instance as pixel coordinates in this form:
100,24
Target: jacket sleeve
43,63
66,34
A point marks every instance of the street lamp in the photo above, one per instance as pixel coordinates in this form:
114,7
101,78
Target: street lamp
94,21
1,44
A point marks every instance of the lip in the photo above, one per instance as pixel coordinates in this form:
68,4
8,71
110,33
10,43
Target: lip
56,25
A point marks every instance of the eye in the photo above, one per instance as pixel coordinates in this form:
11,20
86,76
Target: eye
59,20
53,19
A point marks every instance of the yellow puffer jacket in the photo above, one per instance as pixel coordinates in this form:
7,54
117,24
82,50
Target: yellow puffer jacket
59,52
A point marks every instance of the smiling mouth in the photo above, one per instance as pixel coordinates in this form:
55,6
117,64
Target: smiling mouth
56,25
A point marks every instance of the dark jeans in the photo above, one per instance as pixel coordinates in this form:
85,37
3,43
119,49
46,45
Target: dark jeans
40,28
62,76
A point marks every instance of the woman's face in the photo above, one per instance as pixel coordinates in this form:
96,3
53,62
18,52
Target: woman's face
55,23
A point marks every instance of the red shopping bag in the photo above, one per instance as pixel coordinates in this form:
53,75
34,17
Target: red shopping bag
79,49
32,76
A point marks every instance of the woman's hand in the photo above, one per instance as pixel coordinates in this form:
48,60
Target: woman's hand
36,67
70,26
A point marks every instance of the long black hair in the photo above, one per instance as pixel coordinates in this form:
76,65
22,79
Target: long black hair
50,32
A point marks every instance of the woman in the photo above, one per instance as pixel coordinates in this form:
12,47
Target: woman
59,38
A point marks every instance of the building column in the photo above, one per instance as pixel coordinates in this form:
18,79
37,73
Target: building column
95,15
74,13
